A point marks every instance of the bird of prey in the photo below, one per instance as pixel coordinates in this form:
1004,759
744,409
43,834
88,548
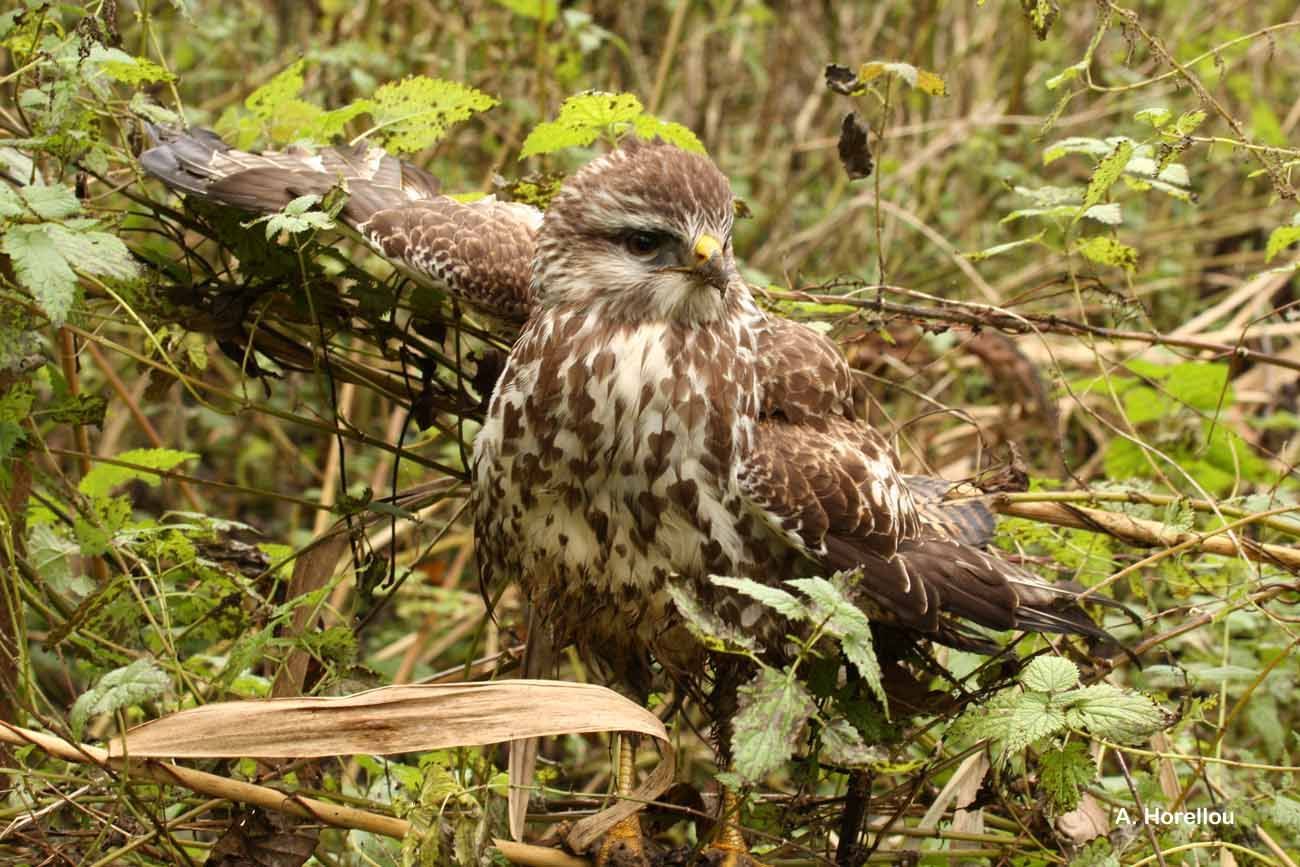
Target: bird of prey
653,425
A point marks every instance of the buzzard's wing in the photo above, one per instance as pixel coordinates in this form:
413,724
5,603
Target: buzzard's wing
833,489
481,252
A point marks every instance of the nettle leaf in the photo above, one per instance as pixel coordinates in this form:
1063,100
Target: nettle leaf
415,112
1200,384
585,117
138,682
126,68
41,269
648,126
708,627
1156,117
266,100
1050,674
1110,712
774,708
1107,172
773,597
1107,251
582,119
842,744
1064,773
1281,238
50,202
1187,123
847,623
103,478
1032,716
296,217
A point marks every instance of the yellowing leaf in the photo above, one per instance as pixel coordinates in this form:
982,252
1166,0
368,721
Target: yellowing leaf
1107,251
416,112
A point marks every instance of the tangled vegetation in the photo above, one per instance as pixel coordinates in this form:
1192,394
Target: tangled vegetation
1057,240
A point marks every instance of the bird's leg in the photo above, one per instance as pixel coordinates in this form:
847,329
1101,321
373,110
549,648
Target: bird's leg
727,848
623,845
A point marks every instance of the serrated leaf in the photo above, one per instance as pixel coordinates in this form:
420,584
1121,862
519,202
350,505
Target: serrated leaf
582,119
266,100
843,745
103,478
138,682
921,79
91,251
1064,773
51,202
1050,674
295,218
1110,712
710,629
41,269
1032,716
1279,239
1107,172
648,126
1107,251
1200,384
773,597
416,112
126,68
1156,117
847,623
1187,123
773,710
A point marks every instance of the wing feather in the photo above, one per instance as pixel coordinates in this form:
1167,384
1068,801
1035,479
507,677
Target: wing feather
480,252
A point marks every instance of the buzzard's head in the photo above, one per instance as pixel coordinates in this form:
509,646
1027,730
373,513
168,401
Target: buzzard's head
643,233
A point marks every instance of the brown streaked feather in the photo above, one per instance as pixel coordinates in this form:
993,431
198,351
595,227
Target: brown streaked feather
804,375
480,252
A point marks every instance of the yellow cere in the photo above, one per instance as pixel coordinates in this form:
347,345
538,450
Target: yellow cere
705,247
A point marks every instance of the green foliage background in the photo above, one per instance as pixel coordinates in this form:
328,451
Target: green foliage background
1078,240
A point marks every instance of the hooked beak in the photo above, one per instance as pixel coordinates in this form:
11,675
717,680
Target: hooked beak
710,266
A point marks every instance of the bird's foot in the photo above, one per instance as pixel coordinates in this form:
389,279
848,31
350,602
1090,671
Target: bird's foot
623,845
728,854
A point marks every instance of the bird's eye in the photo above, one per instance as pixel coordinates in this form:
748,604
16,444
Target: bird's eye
643,244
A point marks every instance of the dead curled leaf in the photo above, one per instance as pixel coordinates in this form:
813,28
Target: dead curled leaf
412,718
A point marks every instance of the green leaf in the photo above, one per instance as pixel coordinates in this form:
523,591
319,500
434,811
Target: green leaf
41,269
538,10
52,202
1107,251
648,126
1279,239
138,682
1156,117
1050,674
1064,773
1285,813
999,249
266,100
295,218
103,478
1032,716
1200,384
773,597
582,119
414,113
843,745
1187,123
1106,173
1110,712
708,627
846,622
123,67
774,708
